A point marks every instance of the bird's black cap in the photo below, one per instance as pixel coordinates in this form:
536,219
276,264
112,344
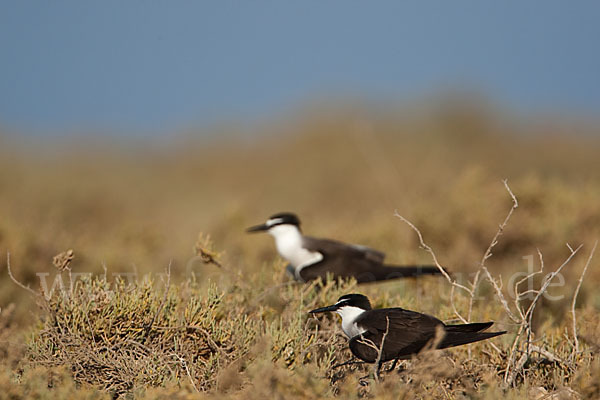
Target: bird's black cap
283,218
352,300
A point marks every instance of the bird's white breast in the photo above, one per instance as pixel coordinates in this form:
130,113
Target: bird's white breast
288,241
349,315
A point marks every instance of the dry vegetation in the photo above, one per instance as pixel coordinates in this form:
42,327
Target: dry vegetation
149,309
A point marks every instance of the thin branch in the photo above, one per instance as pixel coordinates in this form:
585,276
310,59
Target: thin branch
500,296
569,246
460,317
187,370
452,281
512,366
519,295
488,252
429,250
380,351
15,279
549,355
573,304
547,282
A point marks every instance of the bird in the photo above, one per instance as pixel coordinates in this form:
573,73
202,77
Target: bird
313,258
386,334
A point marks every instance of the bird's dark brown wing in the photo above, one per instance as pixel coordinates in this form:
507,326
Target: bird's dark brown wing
407,333
333,248
342,260
354,261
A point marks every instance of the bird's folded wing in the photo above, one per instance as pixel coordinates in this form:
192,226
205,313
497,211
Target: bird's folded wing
334,248
407,331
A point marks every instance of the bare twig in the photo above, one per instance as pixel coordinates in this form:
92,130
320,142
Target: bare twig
378,349
544,287
514,367
520,295
452,281
488,252
15,279
500,296
574,303
549,355
523,315
429,250
187,371
460,317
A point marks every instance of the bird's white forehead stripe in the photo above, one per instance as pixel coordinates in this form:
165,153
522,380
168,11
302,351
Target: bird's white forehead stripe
274,221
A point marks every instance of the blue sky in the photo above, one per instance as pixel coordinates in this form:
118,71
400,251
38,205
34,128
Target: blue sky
159,66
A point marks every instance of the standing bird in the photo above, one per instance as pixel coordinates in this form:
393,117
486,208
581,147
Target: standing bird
311,258
402,332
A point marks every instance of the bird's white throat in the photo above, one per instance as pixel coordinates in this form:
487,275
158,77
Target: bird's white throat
288,241
349,315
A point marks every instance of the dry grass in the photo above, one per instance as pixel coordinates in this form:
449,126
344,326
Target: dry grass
223,322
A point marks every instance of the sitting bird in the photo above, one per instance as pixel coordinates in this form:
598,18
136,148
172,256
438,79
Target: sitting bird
387,334
312,258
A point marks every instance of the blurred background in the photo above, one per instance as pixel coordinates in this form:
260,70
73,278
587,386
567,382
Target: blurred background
127,128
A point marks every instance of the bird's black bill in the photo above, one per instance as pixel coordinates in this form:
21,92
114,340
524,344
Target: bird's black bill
258,228
323,309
